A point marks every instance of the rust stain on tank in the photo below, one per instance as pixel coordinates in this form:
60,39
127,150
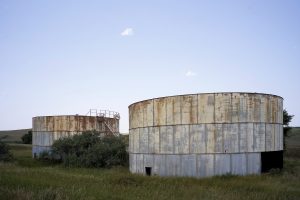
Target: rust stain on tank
274,110
256,109
160,111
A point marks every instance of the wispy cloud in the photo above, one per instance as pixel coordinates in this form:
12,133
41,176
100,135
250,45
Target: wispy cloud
190,73
127,32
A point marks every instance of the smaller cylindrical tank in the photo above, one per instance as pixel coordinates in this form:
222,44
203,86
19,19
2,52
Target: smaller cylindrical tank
47,129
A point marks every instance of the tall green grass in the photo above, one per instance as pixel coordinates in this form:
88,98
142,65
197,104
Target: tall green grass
26,178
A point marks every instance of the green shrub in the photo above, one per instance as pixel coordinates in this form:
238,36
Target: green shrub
27,138
5,154
90,150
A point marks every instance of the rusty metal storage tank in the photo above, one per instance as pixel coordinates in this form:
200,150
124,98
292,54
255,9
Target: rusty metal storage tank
206,134
47,129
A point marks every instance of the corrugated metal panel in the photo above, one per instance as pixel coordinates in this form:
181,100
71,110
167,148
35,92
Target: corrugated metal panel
153,139
189,109
206,108
135,115
160,112
219,140
263,108
197,138
61,123
253,163
170,111
269,109
139,118
148,114
277,142
134,163
73,123
243,109
177,110
280,111
270,137
205,163
49,123
131,113
250,108
222,108
148,160
274,110
231,138
235,107
42,125
238,164
256,108
243,134
87,123
160,165
131,141
250,137
143,140
188,165
210,138
173,165
48,139
281,137
140,163
136,140
259,137
181,139
166,139
222,164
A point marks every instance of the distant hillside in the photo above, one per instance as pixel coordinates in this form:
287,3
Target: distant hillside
13,135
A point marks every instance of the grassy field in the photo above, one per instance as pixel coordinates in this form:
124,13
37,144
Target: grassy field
13,135
293,142
30,179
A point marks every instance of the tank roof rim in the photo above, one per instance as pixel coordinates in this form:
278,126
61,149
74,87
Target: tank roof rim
205,93
69,116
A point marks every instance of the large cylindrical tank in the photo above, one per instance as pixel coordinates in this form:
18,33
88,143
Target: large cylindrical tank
47,129
207,134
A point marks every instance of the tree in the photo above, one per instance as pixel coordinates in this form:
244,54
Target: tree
27,138
286,128
5,154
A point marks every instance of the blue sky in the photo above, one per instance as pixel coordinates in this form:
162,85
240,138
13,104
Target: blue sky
65,57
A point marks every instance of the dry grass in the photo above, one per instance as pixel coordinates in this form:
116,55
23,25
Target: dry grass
29,179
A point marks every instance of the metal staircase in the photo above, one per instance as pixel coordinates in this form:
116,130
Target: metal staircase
105,117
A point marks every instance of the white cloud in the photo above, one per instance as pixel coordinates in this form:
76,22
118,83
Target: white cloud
127,32
190,73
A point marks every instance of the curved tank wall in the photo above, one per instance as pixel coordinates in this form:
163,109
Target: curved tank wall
47,129
203,135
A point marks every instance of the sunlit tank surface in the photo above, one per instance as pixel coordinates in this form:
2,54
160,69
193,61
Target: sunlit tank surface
202,135
47,129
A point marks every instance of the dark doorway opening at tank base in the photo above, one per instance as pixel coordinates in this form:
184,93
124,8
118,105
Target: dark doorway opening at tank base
148,171
271,160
